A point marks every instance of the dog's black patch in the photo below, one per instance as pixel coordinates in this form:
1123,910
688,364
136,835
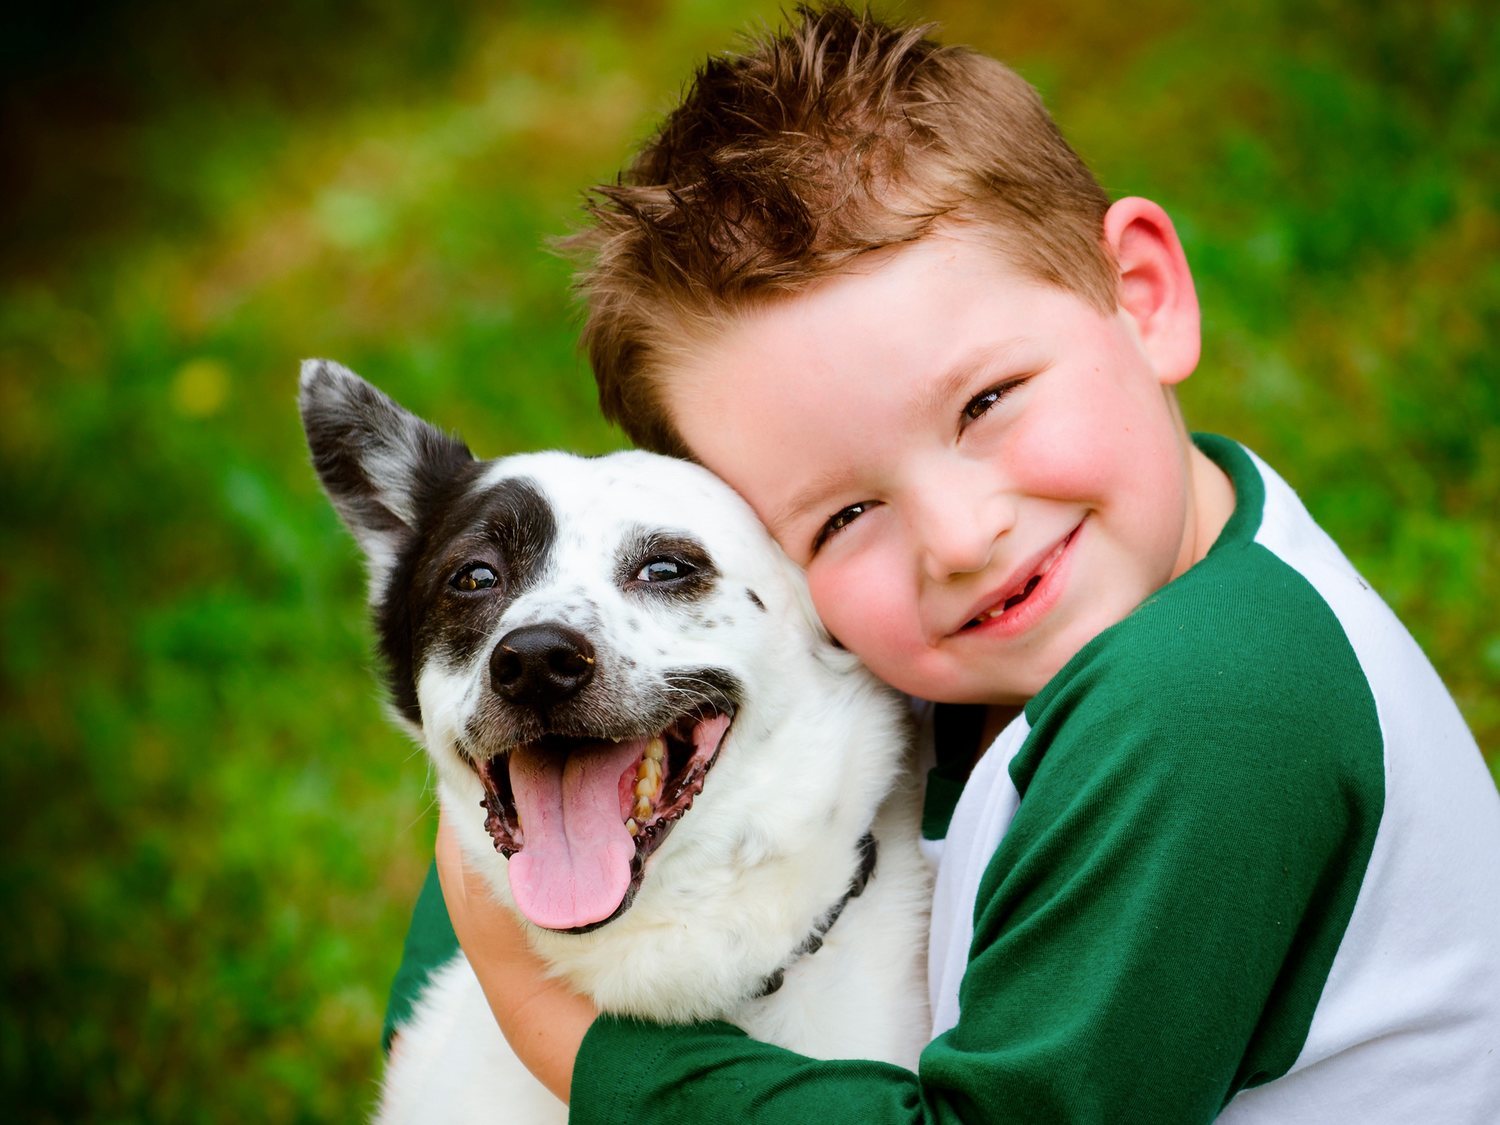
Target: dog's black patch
393,628
396,612
755,599
508,527
682,568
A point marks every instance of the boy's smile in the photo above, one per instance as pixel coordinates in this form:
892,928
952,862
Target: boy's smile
1032,593
979,472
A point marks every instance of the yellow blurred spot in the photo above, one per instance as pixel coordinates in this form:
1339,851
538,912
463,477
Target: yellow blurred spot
200,387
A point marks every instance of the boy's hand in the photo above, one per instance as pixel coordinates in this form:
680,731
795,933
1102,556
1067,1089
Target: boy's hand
543,1020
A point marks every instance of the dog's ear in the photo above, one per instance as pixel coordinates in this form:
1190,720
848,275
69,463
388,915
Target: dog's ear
379,463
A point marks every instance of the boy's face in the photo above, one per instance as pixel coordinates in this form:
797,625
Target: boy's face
978,472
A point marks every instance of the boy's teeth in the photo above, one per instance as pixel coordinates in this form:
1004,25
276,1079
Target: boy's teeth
1031,583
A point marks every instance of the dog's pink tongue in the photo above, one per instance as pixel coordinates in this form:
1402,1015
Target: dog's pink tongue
574,866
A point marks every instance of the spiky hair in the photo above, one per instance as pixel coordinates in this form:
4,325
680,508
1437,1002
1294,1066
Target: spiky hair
787,160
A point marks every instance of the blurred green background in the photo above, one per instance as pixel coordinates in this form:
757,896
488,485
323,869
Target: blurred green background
211,837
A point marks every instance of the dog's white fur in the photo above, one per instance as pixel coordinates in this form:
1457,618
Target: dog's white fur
817,755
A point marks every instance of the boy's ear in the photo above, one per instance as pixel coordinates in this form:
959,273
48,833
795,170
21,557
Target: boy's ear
1156,286
379,463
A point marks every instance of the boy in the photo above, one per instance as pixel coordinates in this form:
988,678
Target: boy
1211,838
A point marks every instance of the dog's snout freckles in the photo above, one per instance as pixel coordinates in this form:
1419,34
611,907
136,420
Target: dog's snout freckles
541,666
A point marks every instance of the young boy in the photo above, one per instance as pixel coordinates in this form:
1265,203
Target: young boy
1211,838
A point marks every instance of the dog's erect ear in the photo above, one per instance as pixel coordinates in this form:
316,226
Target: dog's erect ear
380,464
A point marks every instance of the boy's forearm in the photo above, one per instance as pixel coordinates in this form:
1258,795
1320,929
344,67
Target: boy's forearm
714,1072
545,1023
545,1029
543,1020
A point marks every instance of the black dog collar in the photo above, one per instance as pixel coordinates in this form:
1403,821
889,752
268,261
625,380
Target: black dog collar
814,941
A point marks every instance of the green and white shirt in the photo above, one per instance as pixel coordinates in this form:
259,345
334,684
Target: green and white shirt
1240,859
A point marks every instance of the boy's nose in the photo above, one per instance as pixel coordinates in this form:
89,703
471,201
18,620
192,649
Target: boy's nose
959,537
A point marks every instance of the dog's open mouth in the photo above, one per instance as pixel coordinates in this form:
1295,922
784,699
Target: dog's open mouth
578,817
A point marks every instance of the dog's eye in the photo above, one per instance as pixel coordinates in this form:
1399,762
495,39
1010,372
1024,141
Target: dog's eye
663,570
475,576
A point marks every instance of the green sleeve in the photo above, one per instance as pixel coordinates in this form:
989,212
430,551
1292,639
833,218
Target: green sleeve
1154,930
430,943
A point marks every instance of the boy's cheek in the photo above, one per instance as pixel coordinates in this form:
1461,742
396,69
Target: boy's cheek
858,609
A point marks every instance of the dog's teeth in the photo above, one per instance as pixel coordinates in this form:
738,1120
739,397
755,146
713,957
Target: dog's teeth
643,809
633,827
656,749
648,777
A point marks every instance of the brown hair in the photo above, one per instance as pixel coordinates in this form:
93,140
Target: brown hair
785,162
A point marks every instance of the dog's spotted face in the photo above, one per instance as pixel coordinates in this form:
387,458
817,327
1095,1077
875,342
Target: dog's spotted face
580,636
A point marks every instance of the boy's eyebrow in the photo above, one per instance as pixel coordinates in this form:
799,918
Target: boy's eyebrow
939,392
804,499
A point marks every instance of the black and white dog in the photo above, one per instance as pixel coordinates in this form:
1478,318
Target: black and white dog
702,807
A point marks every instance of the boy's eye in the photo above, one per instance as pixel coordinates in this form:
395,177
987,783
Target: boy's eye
475,577
982,403
840,520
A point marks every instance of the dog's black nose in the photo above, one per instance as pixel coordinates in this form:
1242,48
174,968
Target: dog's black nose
541,665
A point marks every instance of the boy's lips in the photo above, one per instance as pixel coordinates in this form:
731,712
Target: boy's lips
1021,585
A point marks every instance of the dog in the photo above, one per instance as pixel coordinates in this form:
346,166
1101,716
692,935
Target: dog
698,803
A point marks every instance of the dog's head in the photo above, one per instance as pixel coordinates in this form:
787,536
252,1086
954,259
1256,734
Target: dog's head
572,637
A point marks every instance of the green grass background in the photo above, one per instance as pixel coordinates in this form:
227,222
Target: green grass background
211,838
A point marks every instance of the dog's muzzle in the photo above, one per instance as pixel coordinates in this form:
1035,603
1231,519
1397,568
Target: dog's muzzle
596,785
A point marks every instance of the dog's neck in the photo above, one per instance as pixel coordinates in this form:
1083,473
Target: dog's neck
814,940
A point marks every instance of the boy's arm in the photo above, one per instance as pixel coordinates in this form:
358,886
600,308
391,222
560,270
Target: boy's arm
543,1020
1140,954
546,1023
1150,938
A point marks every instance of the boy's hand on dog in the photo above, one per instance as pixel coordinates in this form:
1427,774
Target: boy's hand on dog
543,1020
